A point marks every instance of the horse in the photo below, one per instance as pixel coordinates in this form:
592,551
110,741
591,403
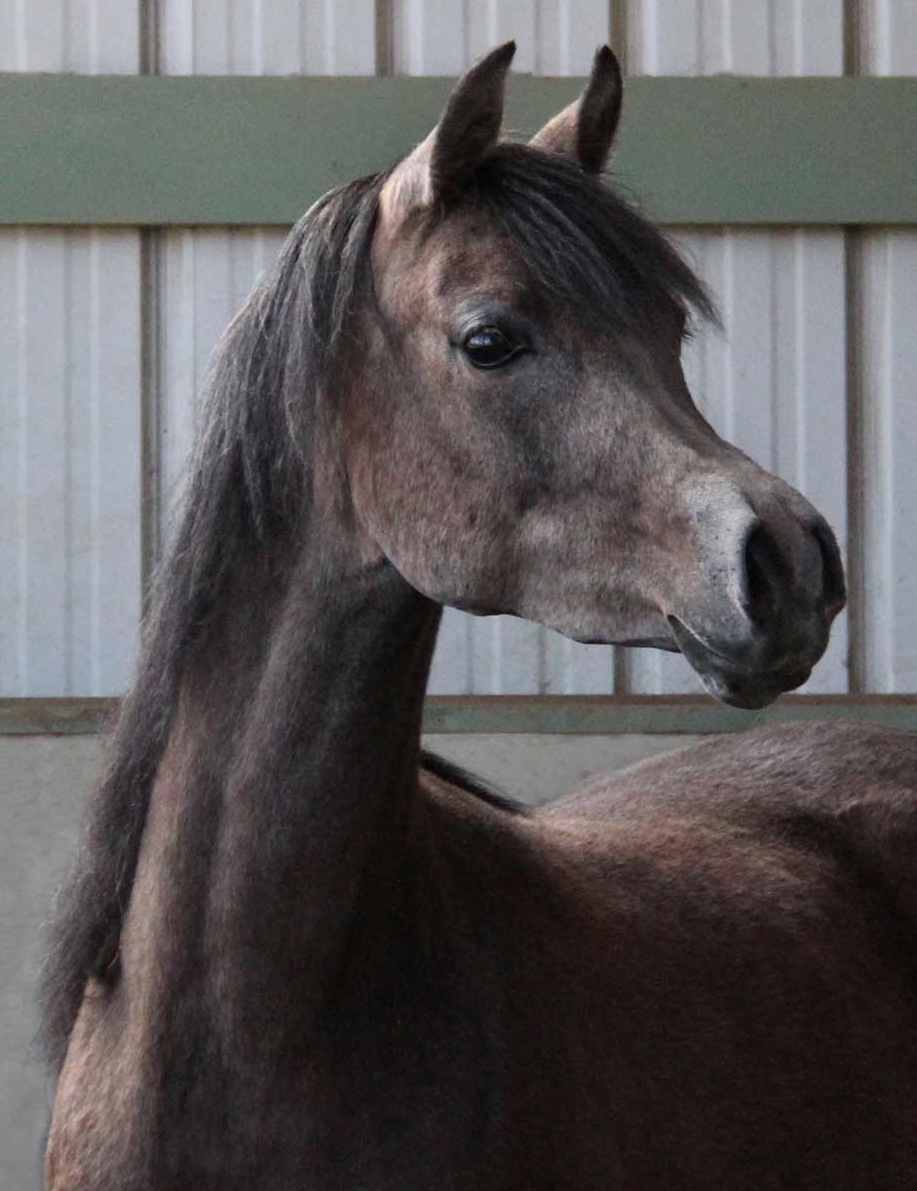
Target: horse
297,953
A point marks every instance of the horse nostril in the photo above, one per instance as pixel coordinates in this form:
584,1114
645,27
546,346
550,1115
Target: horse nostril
834,585
766,574
771,576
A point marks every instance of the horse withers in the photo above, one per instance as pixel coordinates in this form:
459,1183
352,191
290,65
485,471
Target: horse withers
295,953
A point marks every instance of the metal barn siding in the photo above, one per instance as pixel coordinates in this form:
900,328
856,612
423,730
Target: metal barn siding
502,655
773,381
888,402
203,278
83,311
206,275
70,350
263,37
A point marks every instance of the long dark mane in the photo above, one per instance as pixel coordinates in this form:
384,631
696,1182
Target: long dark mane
249,482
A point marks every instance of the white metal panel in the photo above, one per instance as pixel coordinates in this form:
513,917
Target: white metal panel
568,33
492,22
69,461
553,37
889,478
697,37
773,381
69,404
889,29
87,36
205,278
503,655
888,354
206,275
430,37
267,37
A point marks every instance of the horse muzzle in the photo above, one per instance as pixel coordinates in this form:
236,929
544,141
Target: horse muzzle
789,588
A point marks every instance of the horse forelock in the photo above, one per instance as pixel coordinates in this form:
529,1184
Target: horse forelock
585,247
589,254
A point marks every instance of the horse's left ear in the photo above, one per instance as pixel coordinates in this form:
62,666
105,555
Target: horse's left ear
468,127
584,130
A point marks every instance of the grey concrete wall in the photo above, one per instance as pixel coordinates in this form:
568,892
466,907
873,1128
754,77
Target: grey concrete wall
537,769
44,782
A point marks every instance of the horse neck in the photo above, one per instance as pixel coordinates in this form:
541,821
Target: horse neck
289,783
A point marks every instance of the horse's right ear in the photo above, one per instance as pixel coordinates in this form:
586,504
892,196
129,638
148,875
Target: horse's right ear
469,126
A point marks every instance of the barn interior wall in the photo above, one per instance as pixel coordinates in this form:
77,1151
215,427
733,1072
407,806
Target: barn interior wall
105,336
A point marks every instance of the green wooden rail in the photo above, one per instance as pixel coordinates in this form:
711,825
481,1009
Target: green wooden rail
569,715
135,151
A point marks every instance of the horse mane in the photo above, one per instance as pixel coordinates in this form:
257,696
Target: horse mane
458,776
248,485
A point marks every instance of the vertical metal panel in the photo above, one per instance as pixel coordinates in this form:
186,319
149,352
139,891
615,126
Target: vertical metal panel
69,405
87,36
773,381
889,37
568,33
492,22
502,655
267,37
429,37
69,462
206,275
697,37
553,37
888,400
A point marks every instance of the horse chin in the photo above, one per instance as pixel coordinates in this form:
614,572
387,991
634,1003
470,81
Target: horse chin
728,680
749,693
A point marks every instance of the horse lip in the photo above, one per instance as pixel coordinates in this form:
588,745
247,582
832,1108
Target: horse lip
730,680
692,645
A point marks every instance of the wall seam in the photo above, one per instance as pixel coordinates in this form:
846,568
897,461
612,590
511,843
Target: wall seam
854,406
150,349
619,25
853,307
385,37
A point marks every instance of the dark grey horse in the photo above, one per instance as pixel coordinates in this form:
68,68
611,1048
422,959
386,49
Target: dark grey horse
296,956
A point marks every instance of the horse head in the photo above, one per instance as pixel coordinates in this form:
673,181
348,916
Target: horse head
531,446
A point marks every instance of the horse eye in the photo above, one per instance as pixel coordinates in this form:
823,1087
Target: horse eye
488,347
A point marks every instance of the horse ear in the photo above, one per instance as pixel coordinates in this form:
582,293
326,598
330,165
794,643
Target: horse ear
584,130
469,126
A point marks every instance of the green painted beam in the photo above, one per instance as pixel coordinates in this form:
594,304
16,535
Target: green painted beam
178,150
530,715
590,716
56,717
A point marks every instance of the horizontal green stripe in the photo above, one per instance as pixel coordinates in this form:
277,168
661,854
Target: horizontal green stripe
528,715
179,150
55,717
591,716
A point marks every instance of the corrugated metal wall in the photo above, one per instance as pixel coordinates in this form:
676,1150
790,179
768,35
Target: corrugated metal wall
70,409
816,365
887,401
